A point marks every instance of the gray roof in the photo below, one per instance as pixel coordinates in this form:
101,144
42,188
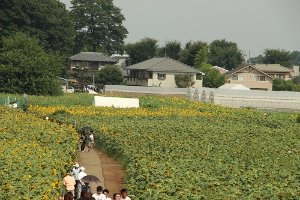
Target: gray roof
92,56
163,65
272,68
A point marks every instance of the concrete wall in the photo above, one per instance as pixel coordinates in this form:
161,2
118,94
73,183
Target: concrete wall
267,100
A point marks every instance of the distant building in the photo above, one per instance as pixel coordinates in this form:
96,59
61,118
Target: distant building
275,70
251,77
121,62
221,70
96,61
160,72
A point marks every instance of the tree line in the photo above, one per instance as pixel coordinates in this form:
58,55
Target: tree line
38,37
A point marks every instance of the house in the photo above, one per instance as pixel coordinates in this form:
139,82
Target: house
121,62
276,70
160,72
221,70
250,76
96,61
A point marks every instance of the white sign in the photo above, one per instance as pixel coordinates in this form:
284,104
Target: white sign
116,102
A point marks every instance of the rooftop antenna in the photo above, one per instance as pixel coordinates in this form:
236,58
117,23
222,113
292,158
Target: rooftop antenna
249,58
165,48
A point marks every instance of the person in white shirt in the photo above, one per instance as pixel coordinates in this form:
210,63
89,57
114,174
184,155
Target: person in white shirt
75,173
105,192
124,195
99,195
91,140
80,176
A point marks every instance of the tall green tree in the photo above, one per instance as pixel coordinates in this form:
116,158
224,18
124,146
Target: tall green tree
295,58
25,67
277,56
109,75
99,24
170,50
141,50
188,54
225,54
49,21
201,57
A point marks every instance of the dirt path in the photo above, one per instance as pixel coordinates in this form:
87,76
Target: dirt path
109,171
113,173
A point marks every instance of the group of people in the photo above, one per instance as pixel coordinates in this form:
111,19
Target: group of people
79,190
91,139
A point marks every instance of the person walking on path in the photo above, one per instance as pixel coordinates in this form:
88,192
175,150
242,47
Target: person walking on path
82,142
105,192
124,195
116,196
99,195
91,140
75,173
80,176
69,182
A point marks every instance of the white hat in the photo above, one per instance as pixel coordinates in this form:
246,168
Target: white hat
76,165
82,169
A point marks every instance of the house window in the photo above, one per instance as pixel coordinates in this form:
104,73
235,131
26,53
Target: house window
161,76
280,76
236,77
150,75
259,78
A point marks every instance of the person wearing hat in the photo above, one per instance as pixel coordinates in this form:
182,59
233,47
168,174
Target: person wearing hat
75,173
80,176
69,182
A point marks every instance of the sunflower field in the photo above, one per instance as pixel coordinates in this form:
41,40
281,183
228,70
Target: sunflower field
178,149
34,155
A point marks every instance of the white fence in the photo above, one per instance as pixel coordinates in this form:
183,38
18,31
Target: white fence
266,100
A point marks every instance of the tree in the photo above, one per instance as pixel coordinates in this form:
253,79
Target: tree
213,78
171,50
282,85
257,60
184,80
81,73
25,67
141,50
201,57
49,21
99,23
225,54
109,75
277,56
295,58
187,55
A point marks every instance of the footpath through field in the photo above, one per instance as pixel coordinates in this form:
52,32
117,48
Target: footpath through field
109,171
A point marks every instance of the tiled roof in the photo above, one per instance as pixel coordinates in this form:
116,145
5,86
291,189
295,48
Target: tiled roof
163,65
242,66
92,56
272,68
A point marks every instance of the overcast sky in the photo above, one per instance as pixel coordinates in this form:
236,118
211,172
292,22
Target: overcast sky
253,24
